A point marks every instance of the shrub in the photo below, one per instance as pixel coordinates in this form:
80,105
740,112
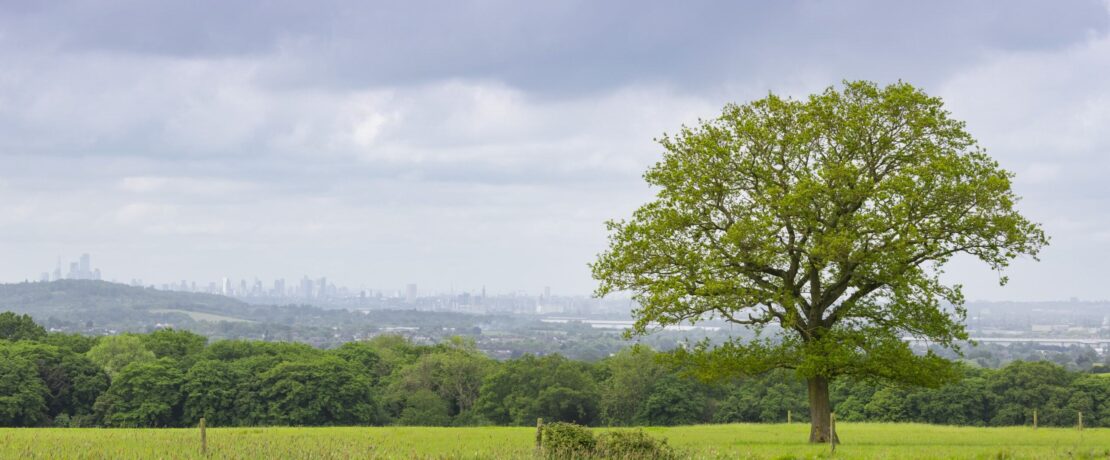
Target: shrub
567,440
570,441
65,420
633,445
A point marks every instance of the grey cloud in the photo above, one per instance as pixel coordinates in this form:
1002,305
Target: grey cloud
559,46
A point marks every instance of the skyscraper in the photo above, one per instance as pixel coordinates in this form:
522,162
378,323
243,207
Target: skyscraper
79,270
306,288
410,293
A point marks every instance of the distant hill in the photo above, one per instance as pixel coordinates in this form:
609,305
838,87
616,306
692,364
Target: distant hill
67,301
68,295
98,307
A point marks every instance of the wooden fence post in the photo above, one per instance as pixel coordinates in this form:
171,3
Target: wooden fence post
1034,419
203,438
539,434
832,432
788,416
1080,420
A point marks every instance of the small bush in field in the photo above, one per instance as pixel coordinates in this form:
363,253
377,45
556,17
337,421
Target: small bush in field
570,441
633,445
567,440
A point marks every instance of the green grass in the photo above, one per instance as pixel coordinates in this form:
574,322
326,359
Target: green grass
201,316
861,441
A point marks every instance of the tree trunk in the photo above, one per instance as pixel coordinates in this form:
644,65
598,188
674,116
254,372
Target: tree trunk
819,411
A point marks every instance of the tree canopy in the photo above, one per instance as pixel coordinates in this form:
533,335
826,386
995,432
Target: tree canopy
113,353
23,394
144,394
824,223
19,327
251,383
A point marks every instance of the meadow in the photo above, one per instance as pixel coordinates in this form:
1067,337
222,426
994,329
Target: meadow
754,441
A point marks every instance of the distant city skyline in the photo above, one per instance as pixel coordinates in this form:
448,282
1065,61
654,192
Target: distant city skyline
309,287
486,143
306,286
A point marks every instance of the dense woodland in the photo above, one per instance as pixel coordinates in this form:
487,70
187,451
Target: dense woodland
173,378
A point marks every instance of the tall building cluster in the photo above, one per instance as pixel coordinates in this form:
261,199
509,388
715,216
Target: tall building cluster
307,289
80,269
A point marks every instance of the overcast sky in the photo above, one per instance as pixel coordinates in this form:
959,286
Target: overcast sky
458,144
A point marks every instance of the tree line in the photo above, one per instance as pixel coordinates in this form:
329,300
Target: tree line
171,378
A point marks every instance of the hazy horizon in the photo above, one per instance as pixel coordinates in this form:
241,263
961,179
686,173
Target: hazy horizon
484,144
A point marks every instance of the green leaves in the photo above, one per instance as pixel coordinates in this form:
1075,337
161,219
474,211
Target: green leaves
22,393
550,387
320,391
115,352
830,218
143,394
19,327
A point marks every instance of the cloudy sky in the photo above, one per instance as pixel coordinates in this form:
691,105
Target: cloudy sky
460,144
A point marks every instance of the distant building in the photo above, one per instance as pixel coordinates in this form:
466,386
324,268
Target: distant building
410,293
78,270
306,288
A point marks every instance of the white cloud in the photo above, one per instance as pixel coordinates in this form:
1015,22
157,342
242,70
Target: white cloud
471,171
290,160
1039,173
219,188
1043,114
1040,104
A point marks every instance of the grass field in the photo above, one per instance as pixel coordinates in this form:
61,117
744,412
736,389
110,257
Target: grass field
861,440
201,316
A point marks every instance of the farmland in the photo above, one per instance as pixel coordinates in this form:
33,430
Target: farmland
757,441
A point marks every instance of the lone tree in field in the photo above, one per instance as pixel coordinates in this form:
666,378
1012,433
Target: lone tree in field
823,224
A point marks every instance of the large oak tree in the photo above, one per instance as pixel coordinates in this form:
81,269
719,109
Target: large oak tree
824,224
